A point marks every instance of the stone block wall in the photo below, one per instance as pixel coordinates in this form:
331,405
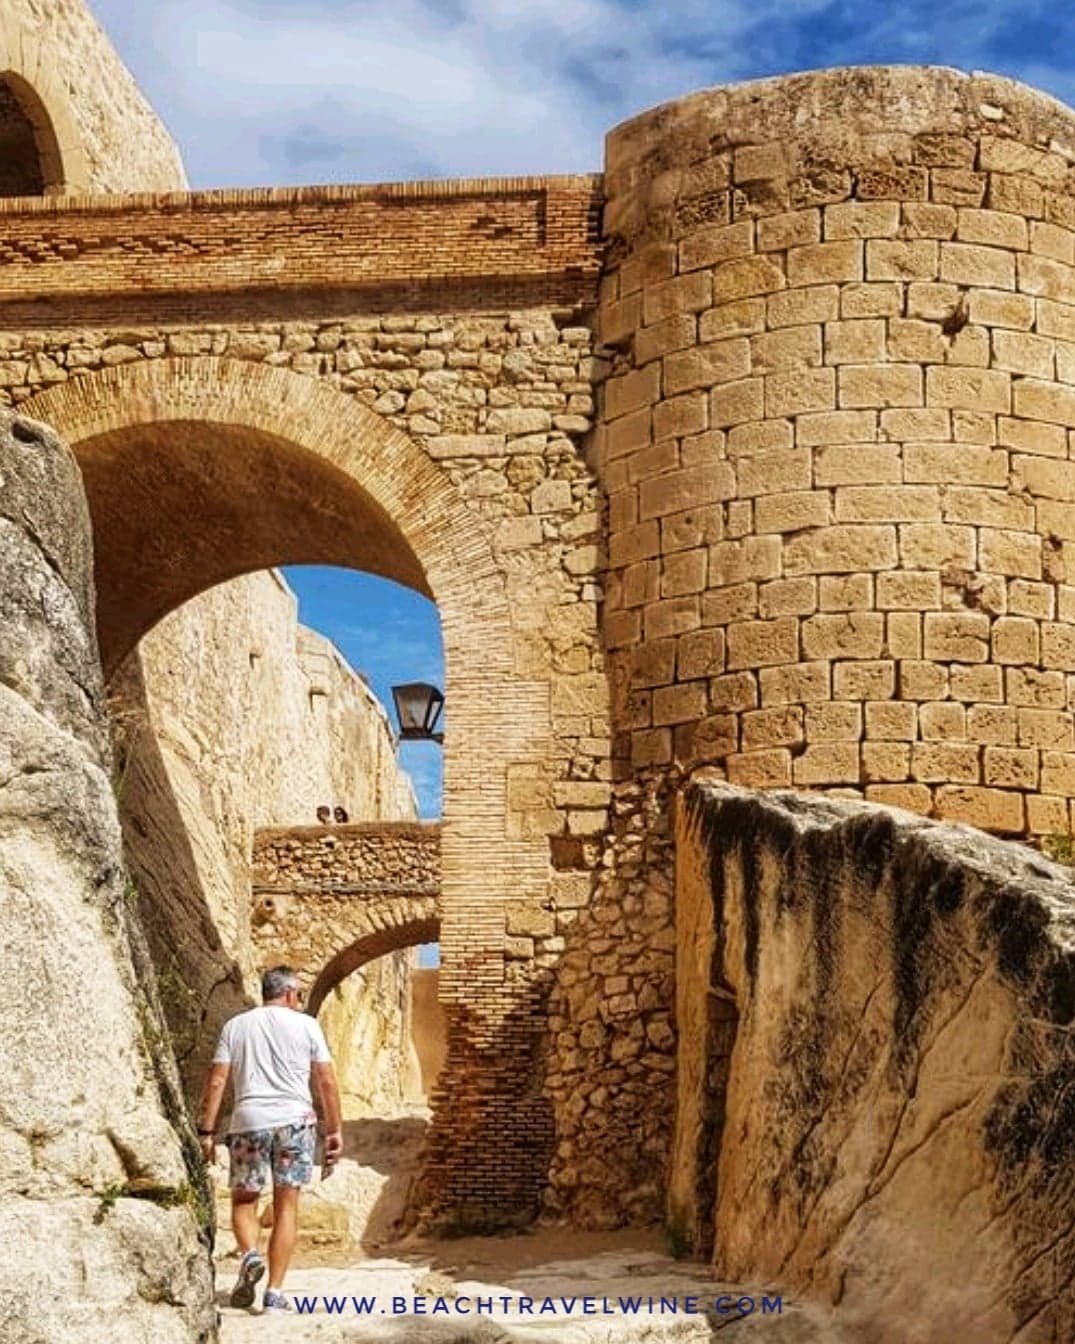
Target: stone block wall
838,441
387,856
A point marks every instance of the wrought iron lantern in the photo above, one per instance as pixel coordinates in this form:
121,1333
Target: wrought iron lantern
418,708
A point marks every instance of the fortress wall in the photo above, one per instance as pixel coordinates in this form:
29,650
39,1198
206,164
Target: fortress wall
231,716
838,439
108,137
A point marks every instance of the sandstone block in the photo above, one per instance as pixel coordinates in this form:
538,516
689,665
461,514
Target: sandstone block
833,723
786,348
995,810
672,333
1010,767
845,635
922,680
937,546
887,504
1058,646
908,260
945,464
795,684
787,597
1047,816
909,590
827,763
781,726
774,472
735,403
734,692
1000,308
1028,686
874,299
1038,400
1058,773
680,703
994,725
866,679
794,228
941,721
881,385
841,549
1050,729
892,721
821,263
746,278
885,761
802,390
1015,640
769,769
911,797
903,634
677,416
858,464
679,490
945,763
845,592
796,307
970,389
684,294
700,653
742,318
836,427
957,636
862,219
977,682
706,365
1021,352
792,511
763,643
708,246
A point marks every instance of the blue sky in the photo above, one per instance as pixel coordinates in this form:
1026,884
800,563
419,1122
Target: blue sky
291,91
260,92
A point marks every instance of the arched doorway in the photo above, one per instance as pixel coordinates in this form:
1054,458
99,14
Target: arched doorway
41,148
202,469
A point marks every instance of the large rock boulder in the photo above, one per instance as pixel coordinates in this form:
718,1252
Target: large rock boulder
103,1210
877,1077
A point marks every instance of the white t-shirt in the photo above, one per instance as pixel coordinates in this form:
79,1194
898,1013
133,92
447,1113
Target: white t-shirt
270,1050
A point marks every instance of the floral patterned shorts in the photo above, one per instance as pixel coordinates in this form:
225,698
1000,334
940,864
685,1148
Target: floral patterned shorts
286,1152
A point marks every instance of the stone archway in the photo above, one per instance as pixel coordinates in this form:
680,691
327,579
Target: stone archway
39,141
371,498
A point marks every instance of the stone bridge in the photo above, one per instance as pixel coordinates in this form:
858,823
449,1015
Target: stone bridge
329,899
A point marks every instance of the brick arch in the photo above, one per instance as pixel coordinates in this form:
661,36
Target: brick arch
27,70
495,717
416,928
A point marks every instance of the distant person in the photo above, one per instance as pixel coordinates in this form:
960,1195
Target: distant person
274,1052
324,815
340,815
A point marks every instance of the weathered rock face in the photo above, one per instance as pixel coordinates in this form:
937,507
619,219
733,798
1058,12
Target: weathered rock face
86,1079
229,717
890,1120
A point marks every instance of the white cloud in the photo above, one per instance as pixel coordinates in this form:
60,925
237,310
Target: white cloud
260,91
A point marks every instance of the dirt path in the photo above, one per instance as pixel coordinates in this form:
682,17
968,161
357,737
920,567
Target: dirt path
549,1264
428,1291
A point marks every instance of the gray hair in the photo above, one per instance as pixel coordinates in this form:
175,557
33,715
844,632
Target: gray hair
276,982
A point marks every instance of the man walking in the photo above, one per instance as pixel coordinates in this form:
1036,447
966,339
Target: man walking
274,1052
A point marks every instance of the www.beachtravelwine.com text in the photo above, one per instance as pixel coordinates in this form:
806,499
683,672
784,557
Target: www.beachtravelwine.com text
725,1305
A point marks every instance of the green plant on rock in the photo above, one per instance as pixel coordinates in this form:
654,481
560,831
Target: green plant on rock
1060,847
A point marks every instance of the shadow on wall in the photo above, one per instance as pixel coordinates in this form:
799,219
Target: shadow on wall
199,982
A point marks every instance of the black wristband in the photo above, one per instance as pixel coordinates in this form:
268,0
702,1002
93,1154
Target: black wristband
206,1133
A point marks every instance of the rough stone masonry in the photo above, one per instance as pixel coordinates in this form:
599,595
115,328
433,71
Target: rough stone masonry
753,453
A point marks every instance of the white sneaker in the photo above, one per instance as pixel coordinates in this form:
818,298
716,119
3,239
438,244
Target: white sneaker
275,1301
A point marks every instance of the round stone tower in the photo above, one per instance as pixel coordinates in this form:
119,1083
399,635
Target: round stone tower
838,441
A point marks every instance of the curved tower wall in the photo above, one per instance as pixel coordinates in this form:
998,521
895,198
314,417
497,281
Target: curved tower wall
838,441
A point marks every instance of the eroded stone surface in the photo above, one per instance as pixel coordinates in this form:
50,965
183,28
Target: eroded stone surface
893,1121
88,1091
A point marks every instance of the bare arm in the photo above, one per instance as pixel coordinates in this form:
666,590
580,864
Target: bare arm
328,1094
209,1108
